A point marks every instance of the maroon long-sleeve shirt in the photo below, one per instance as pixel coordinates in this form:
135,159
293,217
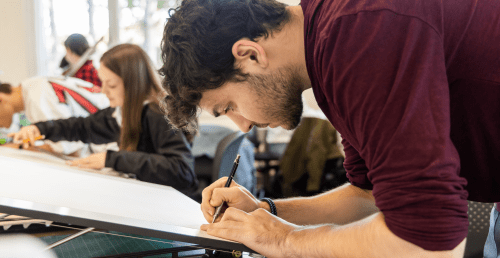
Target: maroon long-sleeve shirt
414,89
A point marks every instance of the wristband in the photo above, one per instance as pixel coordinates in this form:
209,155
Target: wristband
271,205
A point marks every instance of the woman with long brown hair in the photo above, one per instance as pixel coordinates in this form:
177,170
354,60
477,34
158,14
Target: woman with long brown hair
149,148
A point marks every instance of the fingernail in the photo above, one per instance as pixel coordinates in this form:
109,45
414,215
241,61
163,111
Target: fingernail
211,212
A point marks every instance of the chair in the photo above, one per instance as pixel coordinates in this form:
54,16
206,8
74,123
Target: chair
312,162
273,151
227,149
267,157
204,149
479,223
252,136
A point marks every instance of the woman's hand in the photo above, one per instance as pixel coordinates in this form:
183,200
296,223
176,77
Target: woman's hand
94,161
26,136
235,196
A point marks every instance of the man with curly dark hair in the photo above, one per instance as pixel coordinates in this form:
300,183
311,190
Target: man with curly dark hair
204,60
412,86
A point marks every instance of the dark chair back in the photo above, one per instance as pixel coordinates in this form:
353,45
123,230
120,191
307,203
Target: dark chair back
479,223
204,149
227,149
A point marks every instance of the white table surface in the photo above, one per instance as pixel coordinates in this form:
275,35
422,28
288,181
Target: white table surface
41,185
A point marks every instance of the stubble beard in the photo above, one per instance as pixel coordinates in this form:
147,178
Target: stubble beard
281,95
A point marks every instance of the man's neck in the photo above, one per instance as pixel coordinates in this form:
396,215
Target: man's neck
75,60
286,46
297,37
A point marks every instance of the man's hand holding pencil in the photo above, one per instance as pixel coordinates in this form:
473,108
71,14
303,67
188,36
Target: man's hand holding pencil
27,136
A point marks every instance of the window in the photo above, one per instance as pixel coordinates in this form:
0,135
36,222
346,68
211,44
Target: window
142,22
139,22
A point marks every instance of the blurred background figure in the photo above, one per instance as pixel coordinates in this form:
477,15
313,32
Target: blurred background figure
76,45
149,148
42,99
9,121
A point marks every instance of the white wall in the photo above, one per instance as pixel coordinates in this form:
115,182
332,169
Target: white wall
18,55
22,40
290,2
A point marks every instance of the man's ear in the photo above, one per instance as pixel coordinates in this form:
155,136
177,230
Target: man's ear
2,97
249,53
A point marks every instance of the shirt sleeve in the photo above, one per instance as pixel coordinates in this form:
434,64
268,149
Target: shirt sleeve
172,162
97,128
41,104
385,74
356,167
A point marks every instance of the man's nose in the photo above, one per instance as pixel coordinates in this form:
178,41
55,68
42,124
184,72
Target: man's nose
244,124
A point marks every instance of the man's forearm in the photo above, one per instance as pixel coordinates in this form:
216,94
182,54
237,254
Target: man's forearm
342,205
369,237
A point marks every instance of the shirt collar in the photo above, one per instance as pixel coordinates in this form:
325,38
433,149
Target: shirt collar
310,8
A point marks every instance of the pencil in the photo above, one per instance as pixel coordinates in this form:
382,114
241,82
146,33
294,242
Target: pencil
36,139
228,183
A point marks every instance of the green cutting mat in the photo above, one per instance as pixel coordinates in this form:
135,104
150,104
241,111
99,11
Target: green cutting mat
98,244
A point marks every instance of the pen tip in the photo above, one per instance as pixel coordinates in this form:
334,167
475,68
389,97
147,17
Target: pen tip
238,157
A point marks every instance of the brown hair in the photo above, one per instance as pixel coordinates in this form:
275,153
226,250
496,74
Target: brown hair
141,83
5,88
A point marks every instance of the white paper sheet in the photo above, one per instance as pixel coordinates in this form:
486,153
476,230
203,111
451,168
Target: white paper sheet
29,178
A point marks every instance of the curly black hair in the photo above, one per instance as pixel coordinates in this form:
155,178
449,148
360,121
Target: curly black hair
196,48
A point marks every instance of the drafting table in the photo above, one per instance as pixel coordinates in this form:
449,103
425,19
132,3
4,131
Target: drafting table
42,186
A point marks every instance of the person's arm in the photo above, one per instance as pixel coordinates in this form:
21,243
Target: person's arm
97,128
171,164
363,233
391,91
342,205
369,237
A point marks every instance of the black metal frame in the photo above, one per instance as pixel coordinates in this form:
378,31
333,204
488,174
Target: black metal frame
175,253
202,243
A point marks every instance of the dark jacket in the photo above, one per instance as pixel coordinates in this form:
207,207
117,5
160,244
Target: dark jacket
163,155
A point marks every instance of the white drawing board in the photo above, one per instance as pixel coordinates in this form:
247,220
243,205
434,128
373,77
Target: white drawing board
42,186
